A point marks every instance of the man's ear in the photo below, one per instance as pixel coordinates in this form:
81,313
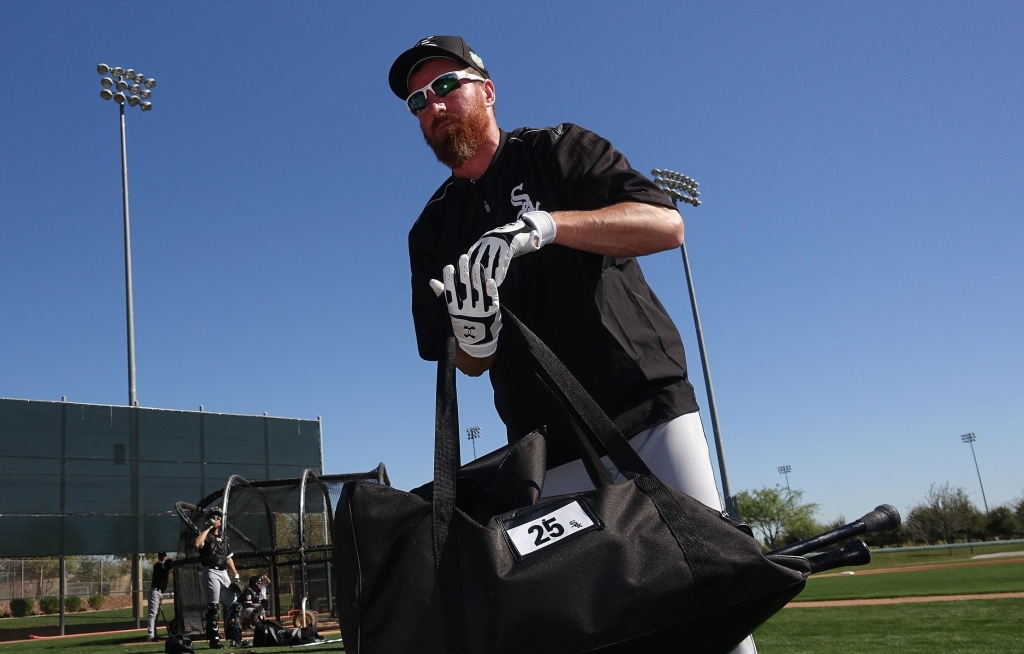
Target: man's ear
489,94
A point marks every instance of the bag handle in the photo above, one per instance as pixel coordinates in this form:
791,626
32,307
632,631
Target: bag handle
447,453
588,422
447,457
565,389
598,473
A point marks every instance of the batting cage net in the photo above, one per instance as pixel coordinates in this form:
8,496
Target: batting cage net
280,528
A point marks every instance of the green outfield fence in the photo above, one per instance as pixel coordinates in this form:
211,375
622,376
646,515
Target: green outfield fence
951,546
100,480
88,479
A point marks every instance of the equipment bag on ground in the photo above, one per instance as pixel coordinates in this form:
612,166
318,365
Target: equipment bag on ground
268,633
178,644
304,636
478,563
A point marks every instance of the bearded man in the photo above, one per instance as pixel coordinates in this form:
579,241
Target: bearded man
570,202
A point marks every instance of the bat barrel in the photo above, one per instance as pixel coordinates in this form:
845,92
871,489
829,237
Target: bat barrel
821,541
852,553
883,518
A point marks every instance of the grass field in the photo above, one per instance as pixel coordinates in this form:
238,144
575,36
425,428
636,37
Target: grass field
971,627
88,617
881,558
960,627
132,644
975,627
999,578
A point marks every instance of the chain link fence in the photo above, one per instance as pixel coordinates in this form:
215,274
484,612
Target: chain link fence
109,576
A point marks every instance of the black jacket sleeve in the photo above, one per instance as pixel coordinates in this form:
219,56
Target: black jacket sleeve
593,174
429,314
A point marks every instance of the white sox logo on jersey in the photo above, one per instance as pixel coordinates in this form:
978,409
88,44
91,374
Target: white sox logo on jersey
523,201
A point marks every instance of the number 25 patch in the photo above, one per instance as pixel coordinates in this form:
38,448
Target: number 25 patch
534,529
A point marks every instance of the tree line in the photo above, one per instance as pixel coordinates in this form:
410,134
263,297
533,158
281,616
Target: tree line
780,516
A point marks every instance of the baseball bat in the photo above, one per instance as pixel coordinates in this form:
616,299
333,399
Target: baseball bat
853,553
883,518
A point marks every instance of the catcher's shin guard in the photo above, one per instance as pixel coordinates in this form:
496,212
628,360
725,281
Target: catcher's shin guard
210,620
232,625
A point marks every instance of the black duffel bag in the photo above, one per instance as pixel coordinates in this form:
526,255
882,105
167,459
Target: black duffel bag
268,633
477,563
178,644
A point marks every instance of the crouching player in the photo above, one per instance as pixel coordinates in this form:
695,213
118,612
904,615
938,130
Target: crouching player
254,602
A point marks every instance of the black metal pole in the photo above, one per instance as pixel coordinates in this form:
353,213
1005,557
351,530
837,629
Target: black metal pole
63,504
302,545
136,508
63,590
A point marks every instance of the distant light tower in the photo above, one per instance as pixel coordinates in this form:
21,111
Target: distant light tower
472,434
682,188
785,470
138,90
969,439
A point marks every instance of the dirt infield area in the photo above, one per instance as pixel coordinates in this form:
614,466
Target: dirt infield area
903,600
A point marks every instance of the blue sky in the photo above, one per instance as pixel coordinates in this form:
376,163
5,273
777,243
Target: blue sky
857,257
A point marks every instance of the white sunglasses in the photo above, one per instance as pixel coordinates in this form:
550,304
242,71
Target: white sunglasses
442,85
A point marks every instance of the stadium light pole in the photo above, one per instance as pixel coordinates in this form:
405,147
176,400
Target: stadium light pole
682,188
133,89
472,434
785,470
969,439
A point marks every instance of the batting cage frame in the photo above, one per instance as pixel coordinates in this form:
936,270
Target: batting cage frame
281,528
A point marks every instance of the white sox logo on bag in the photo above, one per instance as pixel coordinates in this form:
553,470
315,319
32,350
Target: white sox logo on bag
523,201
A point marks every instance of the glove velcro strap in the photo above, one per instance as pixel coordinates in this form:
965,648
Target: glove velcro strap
477,336
543,223
480,350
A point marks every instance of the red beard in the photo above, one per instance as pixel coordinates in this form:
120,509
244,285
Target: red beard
458,139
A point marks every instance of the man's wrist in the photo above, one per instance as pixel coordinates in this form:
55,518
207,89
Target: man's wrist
480,350
470,365
543,224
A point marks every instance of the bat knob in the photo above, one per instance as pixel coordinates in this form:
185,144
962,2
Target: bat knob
883,518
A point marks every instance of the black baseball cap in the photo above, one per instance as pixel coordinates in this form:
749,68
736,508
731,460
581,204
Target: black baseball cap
452,47
161,555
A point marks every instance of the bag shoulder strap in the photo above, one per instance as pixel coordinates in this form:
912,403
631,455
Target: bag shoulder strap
447,456
564,390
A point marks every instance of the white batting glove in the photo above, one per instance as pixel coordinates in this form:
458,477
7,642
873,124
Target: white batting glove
476,318
497,248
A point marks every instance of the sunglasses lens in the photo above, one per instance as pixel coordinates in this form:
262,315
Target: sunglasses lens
417,101
442,86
